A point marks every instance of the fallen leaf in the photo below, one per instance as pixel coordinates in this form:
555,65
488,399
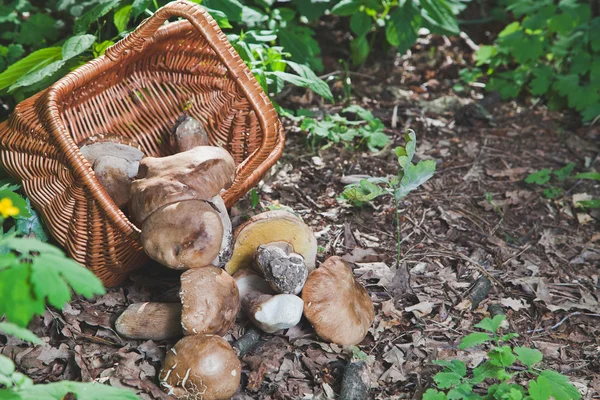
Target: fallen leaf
515,304
421,309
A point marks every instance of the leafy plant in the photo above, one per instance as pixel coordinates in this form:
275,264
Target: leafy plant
410,177
454,381
552,51
544,176
335,129
33,273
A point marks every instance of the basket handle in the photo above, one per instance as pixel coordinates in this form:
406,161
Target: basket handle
197,15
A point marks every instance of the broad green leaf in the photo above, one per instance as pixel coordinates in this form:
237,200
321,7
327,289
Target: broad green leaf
76,45
588,175
94,14
456,366
377,140
439,16
580,63
299,42
8,328
346,7
405,154
432,394
539,177
540,389
121,18
27,247
139,6
312,80
588,204
361,112
415,176
82,391
100,48
17,304
484,54
560,387
485,371
591,112
564,84
401,29
445,380
7,367
37,30
491,324
360,23
502,356
312,9
474,339
232,9
37,76
543,76
34,61
528,356
359,48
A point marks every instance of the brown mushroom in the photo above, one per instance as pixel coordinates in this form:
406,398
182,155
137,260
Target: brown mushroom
272,226
183,235
187,134
201,367
270,312
210,301
115,160
197,174
154,321
337,306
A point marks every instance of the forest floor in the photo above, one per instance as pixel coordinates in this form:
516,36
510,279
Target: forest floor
476,221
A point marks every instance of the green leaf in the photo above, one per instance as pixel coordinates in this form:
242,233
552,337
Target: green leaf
17,201
82,391
484,54
346,7
76,45
588,175
360,23
8,328
560,387
299,41
17,304
254,199
540,389
37,76
528,356
588,204
415,176
564,172
121,18
445,380
439,16
37,30
359,49
94,14
539,177
565,84
491,325
432,394
139,6
552,193
7,367
502,356
360,111
485,371
312,80
474,339
543,75
456,366
401,29
33,62
405,154
100,48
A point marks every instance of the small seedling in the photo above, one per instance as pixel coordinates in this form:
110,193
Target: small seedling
544,178
410,177
338,129
514,370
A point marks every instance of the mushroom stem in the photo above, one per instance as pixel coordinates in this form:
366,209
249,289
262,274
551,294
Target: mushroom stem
356,381
154,321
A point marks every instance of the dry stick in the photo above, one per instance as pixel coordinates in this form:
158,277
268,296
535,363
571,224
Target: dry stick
356,382
247,342
562,321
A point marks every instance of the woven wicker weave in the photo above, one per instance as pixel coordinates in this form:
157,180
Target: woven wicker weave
138,89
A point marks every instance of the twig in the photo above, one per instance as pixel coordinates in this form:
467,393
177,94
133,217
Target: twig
562,321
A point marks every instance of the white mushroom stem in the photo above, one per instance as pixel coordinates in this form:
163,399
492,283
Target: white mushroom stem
268,312
227,241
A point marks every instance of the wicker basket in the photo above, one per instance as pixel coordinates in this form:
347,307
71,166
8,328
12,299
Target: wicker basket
138,89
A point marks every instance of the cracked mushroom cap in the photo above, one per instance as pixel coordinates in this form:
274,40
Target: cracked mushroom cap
201,367
337,306
183,235
200,173
268,227
115,160
210,300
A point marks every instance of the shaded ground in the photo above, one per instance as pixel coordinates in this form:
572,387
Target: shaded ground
475,218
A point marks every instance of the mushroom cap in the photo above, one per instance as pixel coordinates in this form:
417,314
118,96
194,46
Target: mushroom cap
272,226
210,301
200,173
183,235
201,367
187,133
337,306
115,160
285,271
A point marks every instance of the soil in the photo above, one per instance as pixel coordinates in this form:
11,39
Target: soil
476,241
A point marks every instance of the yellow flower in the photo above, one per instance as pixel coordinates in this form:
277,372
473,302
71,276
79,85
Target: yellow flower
7,209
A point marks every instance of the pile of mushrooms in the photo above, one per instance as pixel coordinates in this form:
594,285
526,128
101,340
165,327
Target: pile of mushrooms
268,272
